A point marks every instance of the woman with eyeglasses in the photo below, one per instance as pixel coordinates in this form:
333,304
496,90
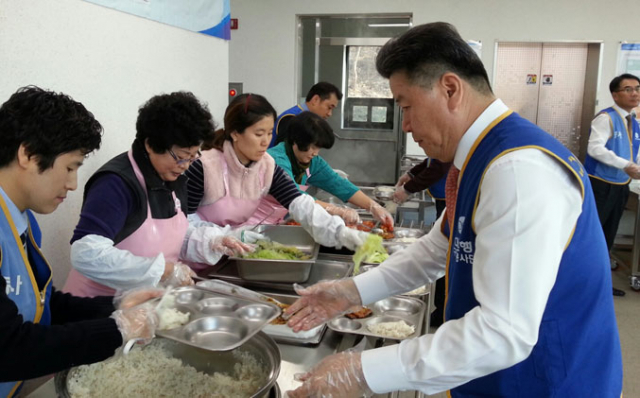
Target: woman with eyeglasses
133,222
235,172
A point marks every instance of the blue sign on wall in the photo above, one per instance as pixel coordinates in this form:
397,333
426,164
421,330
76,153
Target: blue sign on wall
211,17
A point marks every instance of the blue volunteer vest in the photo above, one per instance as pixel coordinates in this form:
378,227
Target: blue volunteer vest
436,190
293,111
22,284
578,349
623,143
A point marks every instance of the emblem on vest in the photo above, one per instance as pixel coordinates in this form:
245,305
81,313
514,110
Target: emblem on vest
462,250
617,134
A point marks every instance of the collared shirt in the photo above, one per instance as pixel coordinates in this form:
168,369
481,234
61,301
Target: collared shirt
600,134
20,219
528,207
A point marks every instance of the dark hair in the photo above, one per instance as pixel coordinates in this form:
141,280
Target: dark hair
615,83
428,51
48,124
324,91
308,129
174,119
244,111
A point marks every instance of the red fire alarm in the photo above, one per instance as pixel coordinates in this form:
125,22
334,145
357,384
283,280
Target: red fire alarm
232,93
233,25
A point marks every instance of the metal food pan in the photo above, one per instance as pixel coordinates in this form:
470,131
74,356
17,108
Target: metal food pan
284,334
253,269
392,309
401,232
323,269
217,321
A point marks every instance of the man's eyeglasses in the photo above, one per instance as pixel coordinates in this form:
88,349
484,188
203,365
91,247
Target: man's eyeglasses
180,161
630,89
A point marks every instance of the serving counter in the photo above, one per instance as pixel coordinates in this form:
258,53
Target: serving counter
299,358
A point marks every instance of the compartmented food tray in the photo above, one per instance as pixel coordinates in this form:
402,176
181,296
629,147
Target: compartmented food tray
323,269
284,334
217,321
401,232
392,309
257,269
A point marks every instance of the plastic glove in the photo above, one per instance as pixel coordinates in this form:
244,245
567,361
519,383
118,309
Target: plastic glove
381,214
350,216
231,246
338,375
247,236
130,298
351,238
182,275
405,178
400,195
139,322
322,302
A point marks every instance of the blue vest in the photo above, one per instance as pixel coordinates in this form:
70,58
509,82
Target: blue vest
22,283
623,143
293,111
436,190
578,349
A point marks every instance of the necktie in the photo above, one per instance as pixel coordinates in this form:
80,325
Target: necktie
451,193
630,124
23,238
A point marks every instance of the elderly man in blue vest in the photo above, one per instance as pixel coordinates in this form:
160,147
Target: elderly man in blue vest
322,99
612,155
529,309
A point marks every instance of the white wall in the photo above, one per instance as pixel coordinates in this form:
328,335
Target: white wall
110,61
262,51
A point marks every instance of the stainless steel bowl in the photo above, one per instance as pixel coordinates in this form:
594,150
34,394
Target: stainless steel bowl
408,233
384,192
260,346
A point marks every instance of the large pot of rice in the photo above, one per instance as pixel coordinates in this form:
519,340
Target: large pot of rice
166,368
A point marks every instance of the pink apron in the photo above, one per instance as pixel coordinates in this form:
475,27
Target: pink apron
270,210
154,236
229,210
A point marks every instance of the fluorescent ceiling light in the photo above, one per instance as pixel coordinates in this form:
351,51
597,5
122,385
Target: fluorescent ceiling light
388,25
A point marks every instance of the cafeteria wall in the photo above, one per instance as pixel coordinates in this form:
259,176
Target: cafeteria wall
262,52
110,61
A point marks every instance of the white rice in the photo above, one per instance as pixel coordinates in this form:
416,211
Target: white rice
415,292
395,330
169,316
153,372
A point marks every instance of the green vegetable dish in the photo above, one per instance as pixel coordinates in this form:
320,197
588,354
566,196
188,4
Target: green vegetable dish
371,252
268,250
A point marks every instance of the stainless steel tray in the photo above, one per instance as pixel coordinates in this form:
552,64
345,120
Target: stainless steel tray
401,232
217,321
254,269
284,334
392,309
323,269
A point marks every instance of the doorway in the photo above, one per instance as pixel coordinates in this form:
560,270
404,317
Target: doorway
553,85
341,49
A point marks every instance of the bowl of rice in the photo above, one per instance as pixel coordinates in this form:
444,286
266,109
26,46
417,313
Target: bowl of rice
166,368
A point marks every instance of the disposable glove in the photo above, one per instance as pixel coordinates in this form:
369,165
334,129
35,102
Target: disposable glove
351,238
123,300
245,235
400,195
231,246
338,375
322,302
405,178
350,216
182,275
139,322
381,214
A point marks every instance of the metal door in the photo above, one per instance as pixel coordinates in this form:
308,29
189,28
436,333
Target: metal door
545,83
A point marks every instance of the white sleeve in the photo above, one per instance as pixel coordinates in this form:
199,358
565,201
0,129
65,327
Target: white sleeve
322,226
421,263
98,259
528,208
600,134
196,246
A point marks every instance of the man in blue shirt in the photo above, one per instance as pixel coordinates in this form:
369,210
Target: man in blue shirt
321,99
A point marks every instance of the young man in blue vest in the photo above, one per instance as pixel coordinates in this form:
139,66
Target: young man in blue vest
321,99
612,155
44,138
529,310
